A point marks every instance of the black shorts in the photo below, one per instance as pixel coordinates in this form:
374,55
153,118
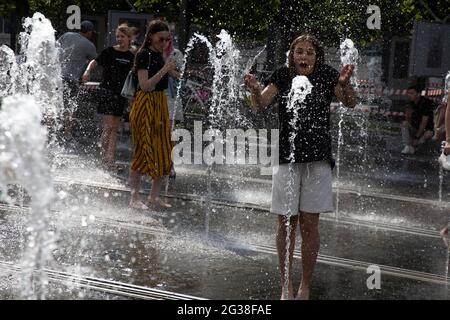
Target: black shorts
112,104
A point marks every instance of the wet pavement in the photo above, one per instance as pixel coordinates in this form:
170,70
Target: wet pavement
218,241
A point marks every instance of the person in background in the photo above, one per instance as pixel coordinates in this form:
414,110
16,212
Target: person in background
116,61
77,50
439,119
445,157
418,126
135,33
439,122
149,117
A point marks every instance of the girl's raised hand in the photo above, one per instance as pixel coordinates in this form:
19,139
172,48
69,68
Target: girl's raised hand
346,73
251,82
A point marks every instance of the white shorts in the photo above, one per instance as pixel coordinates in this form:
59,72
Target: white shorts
310,189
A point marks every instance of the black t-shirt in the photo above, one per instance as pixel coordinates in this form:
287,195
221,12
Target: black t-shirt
116,65
313,139
156,64
425,107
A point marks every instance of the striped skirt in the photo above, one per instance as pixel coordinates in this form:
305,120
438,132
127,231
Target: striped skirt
150,126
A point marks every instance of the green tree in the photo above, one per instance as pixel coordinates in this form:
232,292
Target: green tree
256,20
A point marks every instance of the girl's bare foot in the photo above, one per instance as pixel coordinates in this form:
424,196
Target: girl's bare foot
444,235
159,203
138,205
444,232
303,294
287,295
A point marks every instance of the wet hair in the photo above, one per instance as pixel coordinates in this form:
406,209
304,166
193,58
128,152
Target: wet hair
154,27
320,53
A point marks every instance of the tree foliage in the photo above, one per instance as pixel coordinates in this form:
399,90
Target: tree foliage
250,19
334,20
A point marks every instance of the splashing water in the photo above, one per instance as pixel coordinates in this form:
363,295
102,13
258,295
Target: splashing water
196,38
300,88
251,62
444,101
40,69
211,52
348,55
446,87
224,59
23,143
226,83
32,89
8,71
374,73
374,76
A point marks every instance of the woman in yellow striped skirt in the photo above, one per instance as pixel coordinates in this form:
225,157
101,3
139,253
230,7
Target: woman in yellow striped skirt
149,116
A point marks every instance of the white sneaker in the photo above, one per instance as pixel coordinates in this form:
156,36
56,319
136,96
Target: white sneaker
408,150
444,161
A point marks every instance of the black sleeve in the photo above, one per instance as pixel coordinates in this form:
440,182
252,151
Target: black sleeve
279,78
142,60
104,57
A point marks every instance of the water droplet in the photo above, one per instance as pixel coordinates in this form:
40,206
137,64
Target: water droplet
83,221
62,195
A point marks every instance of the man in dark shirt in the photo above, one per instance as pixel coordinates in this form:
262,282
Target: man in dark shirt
76,51
418,125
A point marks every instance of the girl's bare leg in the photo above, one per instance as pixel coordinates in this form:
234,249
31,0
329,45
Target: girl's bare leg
109,139
135,184
309,228
154,194
282,232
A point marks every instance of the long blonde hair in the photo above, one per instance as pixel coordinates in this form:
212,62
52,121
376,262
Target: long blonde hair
126,30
